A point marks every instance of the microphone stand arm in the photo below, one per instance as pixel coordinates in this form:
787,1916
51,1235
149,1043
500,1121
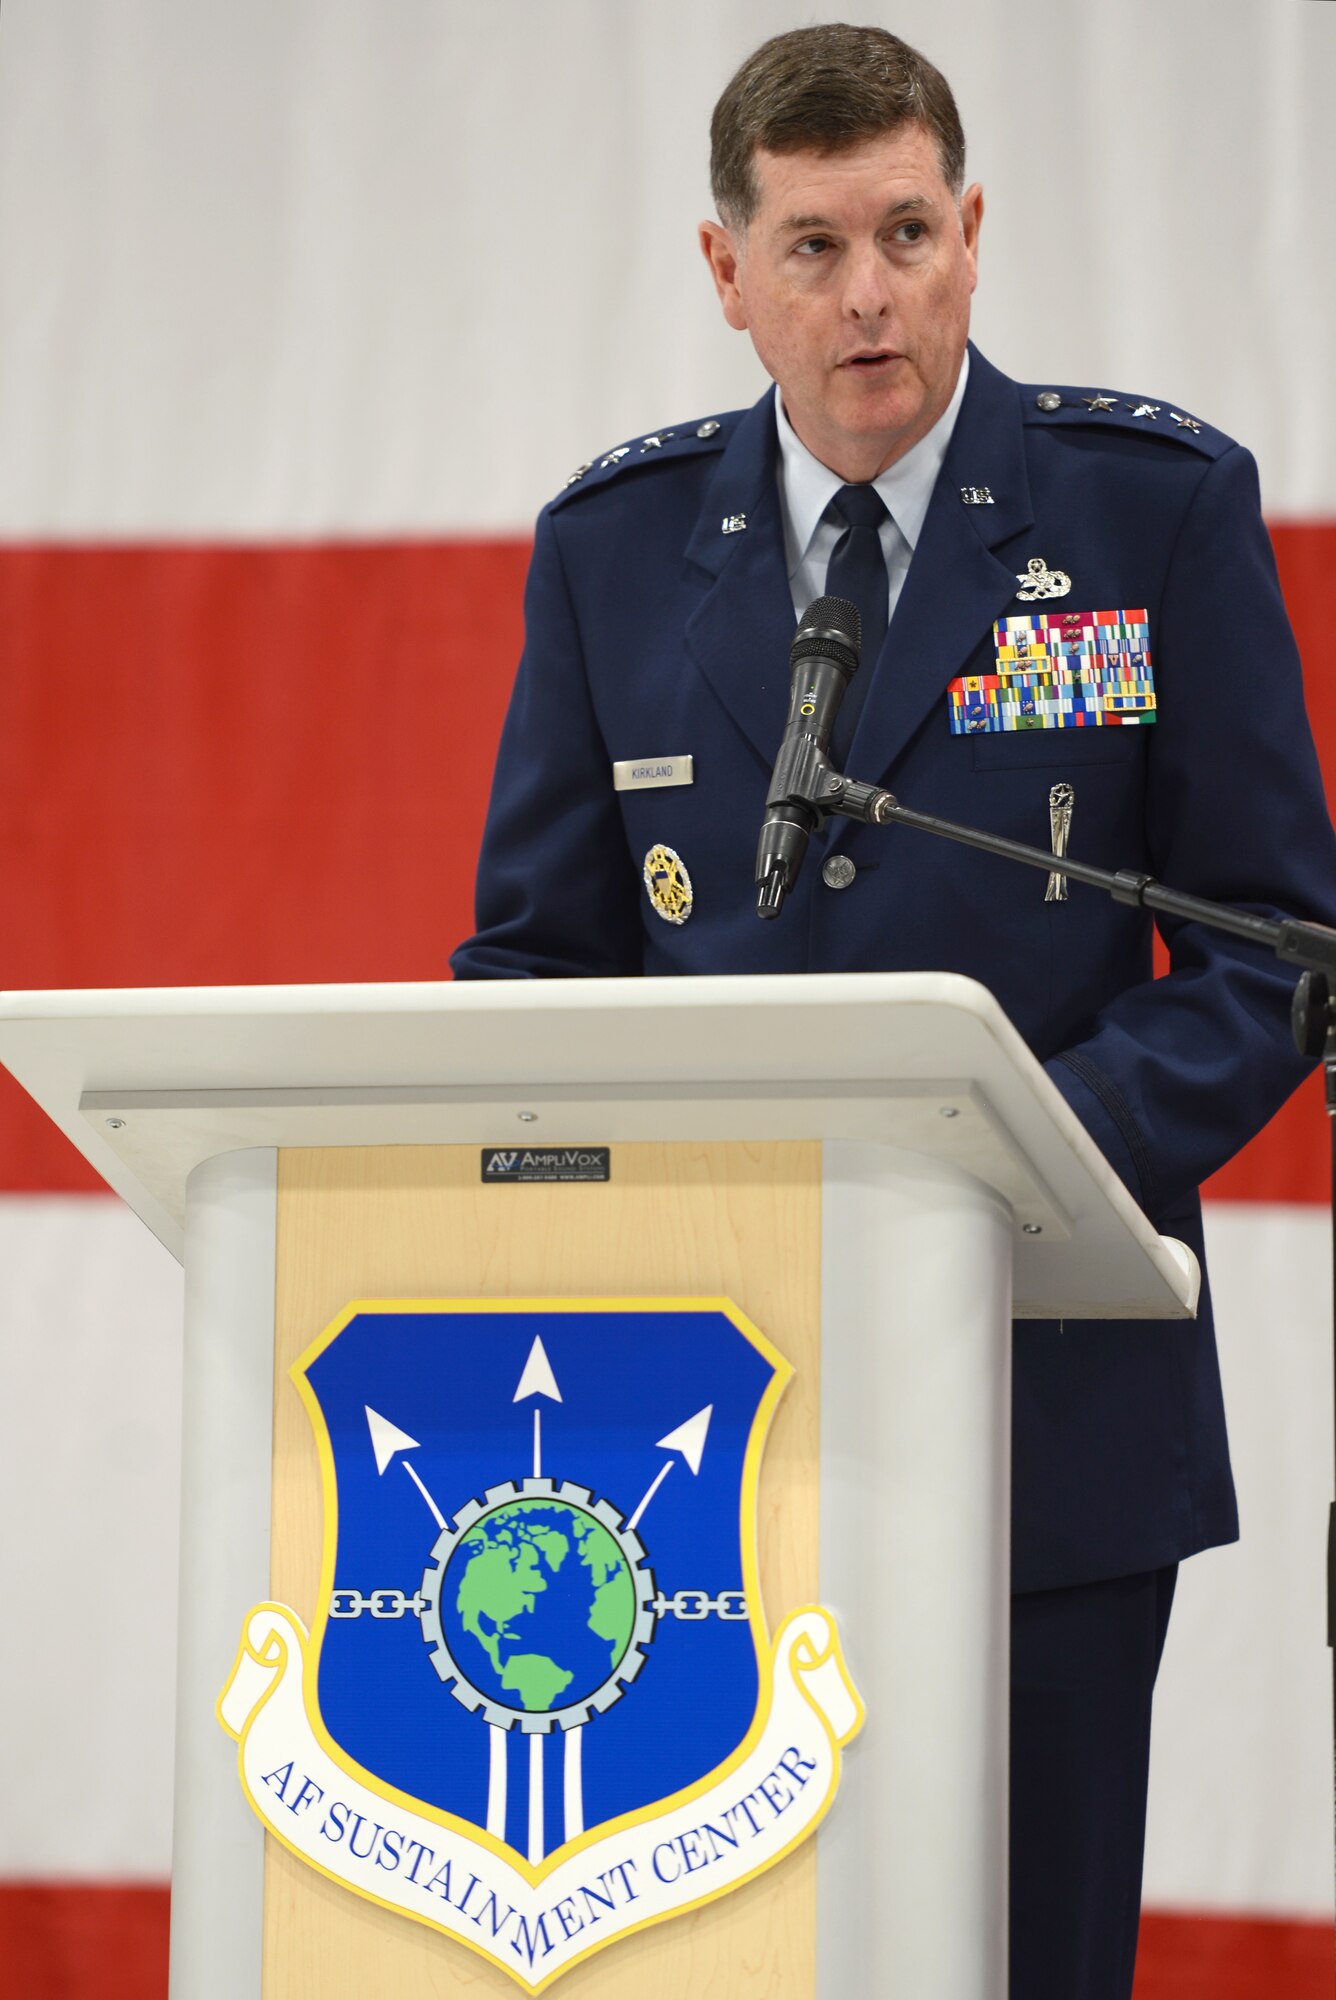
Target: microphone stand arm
1309,945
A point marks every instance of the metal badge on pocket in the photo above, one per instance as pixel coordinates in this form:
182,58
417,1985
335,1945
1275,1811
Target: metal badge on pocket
1061,799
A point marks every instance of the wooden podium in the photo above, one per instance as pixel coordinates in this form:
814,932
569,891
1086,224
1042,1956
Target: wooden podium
873,1168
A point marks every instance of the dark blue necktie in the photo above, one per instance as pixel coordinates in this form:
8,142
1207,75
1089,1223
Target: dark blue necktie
857,570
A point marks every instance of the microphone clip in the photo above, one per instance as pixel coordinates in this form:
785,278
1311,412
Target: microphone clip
805,791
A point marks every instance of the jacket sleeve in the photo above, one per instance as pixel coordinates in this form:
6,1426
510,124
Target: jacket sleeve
556,896
1180,1071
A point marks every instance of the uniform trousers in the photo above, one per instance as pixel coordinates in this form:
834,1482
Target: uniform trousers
1083,1667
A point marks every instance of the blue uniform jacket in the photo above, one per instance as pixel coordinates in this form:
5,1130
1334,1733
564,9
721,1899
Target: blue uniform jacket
652,631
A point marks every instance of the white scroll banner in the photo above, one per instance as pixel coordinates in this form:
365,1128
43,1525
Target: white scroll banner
537,1922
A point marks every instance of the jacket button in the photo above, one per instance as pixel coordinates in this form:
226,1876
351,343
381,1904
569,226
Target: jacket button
837,871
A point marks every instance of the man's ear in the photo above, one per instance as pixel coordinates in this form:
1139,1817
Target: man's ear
971,221
721,253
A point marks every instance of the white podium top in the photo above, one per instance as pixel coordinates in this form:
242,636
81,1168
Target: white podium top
149,1083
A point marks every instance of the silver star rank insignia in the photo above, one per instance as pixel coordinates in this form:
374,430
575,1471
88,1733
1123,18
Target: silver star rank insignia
1151,410
655,439
1185,423
1100,402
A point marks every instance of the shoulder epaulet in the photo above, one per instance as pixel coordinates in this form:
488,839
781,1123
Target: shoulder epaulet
656,447
1107,409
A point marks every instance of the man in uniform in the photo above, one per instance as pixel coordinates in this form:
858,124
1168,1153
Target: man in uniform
1069,607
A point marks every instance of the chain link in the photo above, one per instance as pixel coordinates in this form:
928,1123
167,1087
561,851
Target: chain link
380,1604
692,1605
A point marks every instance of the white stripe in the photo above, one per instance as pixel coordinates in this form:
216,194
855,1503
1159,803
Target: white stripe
90,1476
496,1781
1240,1802
536,1798
365,377
573,1783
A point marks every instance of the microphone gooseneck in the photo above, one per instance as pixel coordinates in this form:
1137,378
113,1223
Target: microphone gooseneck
822,661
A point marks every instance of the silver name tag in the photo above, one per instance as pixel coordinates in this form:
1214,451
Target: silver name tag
635,774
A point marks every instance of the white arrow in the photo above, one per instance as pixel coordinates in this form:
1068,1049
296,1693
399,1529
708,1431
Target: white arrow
537,1379
386,1440
689,1439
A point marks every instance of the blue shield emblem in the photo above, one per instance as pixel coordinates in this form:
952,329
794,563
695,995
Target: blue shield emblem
539,1611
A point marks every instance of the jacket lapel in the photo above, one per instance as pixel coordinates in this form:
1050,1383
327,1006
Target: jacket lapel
956,586
742,629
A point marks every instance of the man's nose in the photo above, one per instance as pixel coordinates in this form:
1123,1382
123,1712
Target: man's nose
868,279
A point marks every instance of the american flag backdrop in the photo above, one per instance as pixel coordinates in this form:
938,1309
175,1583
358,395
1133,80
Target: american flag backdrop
306,307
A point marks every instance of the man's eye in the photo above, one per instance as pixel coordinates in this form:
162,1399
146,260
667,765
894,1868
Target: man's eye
911,232
812,246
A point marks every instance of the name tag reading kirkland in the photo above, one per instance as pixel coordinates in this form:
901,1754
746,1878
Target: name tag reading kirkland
635,774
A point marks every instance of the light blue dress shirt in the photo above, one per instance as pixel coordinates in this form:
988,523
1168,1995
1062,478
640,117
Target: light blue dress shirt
807,487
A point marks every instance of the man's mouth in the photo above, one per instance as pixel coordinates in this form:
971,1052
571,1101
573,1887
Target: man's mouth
871,361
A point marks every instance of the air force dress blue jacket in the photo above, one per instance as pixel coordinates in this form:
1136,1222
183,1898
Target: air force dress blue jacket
659,621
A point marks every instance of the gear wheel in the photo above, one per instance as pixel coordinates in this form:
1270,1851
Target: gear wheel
541,1722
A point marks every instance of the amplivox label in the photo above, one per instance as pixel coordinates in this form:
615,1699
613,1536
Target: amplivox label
546,1163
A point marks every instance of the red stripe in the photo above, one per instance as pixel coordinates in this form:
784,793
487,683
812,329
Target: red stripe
221,766
87,1941
1290,1160
83,1941
224,765
1198,1957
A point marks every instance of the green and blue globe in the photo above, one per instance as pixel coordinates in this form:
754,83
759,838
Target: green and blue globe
538,1604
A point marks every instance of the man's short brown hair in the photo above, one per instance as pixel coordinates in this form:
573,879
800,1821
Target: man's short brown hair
823,90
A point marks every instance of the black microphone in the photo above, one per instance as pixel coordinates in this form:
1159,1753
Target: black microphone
822,662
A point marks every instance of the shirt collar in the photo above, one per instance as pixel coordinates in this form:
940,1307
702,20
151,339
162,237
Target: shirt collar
807,487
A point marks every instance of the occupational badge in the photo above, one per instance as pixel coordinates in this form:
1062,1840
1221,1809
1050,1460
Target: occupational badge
538,1707
1061,799
1041,581
668,884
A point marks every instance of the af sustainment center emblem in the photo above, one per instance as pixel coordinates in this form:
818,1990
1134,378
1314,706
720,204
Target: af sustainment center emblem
538,1708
